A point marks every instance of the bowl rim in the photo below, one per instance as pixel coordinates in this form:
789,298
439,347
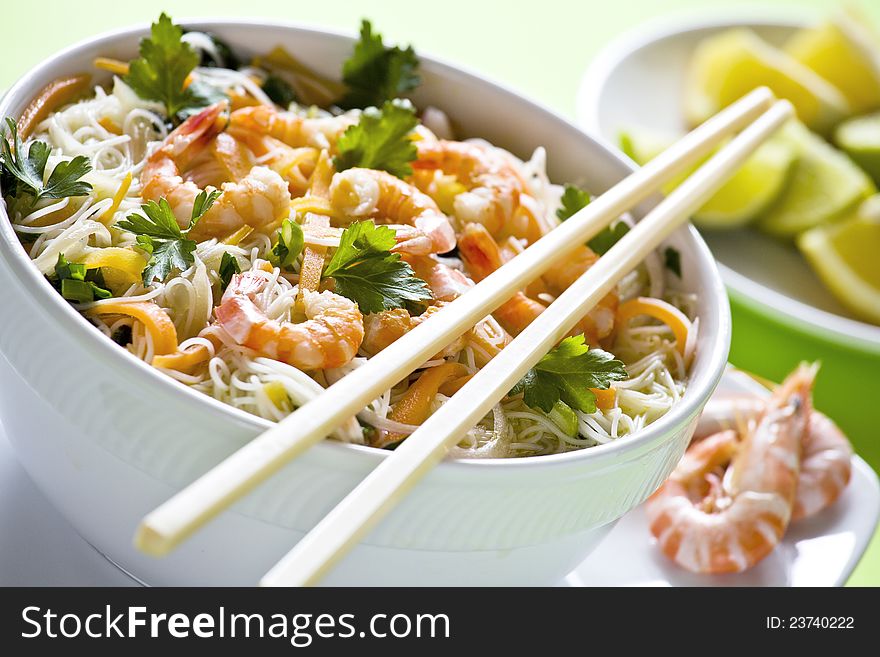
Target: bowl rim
41,293
813,321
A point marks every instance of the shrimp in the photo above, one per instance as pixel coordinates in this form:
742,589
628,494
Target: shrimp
291,128
826,464
711,524
445,282
482,255
259,199
496,197
330,337
364,193
295,165
381,329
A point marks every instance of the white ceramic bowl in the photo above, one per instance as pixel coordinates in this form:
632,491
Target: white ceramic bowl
107,438
650,62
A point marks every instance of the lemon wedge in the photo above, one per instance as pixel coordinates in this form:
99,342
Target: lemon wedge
824,185
860,139
845,256
747,195
843,51
730,64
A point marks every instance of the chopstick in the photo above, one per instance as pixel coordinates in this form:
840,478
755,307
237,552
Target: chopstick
387,484
166,526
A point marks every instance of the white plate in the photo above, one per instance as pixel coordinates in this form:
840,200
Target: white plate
818,551
39,548
637,81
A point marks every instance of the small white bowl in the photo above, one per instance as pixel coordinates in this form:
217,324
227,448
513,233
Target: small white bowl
107,438
637,81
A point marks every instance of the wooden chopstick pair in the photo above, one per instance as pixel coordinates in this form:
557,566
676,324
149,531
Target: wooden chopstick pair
756,115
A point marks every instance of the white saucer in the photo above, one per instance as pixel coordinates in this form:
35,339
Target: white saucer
39,548
637,81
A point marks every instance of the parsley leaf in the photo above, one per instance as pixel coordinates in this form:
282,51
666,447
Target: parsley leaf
375,73
28,169
567,373
229,267
672,260
159,235
160,72
289,245
367,272
72,281
380,140
575,199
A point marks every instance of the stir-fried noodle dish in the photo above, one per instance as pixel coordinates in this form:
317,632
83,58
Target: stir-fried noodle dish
256,231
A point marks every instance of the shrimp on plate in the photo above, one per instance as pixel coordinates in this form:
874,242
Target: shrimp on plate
330,337
291,128
826,463
709,519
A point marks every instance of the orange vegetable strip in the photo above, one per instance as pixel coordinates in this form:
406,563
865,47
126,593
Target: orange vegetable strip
155,319
661,310
115,66
604,398
53,95
415,405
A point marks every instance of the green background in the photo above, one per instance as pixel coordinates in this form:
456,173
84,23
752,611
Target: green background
540,48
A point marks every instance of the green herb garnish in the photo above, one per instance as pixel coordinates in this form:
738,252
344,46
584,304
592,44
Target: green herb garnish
575,199
28,169
160,72
289,245
367,272
672,260
279,91
375,74
159,235
380,140
567,373
78,284
229,267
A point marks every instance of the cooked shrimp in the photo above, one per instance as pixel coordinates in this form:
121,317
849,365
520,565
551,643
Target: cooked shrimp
381,329
445,282
708,523
295,165
291,128
496,197
259,199
826,464
330,336
363,193
482,255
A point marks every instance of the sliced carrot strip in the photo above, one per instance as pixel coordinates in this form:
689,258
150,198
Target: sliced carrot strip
453,386
155,319
415,405
605,399
183,361
109,125
314,204
53,95
661,310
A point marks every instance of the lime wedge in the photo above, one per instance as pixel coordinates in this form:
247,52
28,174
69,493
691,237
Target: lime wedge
730,64
842,51
824,185
751,190
844,256
860,139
